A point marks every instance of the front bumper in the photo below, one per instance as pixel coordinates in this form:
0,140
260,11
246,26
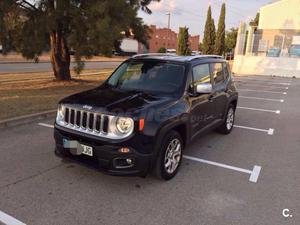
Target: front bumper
106,156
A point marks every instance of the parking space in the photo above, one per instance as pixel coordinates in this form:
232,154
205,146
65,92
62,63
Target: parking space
247,177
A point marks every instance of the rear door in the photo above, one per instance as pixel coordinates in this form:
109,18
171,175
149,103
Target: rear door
202,108
219,81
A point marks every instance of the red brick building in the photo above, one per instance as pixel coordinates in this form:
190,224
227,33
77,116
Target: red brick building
164,37
194,42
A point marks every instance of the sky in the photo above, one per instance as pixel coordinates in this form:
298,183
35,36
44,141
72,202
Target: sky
192,13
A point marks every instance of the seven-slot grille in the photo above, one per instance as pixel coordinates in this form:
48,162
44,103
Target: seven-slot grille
90,121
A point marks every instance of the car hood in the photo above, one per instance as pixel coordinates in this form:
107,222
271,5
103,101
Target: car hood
109,99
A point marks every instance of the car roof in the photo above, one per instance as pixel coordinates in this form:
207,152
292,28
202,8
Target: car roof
176,58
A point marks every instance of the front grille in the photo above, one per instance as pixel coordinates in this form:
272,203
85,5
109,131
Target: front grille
89,121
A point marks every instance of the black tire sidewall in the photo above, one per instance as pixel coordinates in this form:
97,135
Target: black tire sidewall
160,163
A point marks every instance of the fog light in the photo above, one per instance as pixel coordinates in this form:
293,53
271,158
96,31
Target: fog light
129,161
124,150
123,163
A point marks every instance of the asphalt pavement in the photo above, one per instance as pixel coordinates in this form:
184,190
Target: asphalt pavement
248,177
46,66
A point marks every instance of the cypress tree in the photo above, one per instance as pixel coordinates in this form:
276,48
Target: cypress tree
183,42
209,34
220,37
213,33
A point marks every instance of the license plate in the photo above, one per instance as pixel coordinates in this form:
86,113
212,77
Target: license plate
87,150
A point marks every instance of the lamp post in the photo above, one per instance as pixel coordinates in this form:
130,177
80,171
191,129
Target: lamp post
169,19
168,33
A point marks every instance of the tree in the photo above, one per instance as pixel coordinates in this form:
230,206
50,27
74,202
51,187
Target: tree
209,34
85,27
183,42
162,50
230,39
213,33
200,48
220,37
255,21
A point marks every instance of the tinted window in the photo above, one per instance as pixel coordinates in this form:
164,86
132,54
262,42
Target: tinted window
217,72
148,76
201,74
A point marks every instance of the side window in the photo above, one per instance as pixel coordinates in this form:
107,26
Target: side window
201,74
226,70
217,72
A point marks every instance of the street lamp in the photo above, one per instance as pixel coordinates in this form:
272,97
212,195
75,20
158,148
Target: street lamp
169,19
168,33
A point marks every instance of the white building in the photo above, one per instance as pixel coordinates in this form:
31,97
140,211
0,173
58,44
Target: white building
280,15
277,35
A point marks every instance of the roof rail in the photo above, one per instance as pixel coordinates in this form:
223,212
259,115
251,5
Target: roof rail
205,56
152,54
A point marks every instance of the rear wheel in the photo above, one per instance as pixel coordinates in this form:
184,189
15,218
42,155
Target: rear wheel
169,156
228,124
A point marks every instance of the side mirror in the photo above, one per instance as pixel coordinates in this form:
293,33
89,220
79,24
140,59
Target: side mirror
204,88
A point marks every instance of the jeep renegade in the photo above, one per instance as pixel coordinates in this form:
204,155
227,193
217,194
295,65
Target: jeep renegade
143,116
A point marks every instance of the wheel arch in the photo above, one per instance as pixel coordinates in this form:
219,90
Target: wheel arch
179,126
233,102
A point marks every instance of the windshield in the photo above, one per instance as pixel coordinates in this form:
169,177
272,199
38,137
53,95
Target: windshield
148,76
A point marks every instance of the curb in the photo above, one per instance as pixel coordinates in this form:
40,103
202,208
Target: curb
21,120
19,62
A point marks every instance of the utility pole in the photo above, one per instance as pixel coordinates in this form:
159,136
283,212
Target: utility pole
168,34
169,19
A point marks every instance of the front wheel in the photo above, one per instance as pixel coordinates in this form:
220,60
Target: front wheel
228,124
169,156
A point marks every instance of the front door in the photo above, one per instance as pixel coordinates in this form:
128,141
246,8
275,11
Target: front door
202,105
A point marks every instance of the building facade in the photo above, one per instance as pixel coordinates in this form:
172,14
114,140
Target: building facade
166,38
273,47
278,28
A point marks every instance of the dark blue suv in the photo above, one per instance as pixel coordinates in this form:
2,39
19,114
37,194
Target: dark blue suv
144,115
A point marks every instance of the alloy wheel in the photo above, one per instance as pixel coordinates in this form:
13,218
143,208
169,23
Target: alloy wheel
230,119
172,156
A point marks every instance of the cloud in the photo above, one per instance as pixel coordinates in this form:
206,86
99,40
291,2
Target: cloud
163,6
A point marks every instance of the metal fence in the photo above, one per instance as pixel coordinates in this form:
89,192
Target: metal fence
272,46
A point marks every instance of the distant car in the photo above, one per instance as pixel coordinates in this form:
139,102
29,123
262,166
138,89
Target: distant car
195,53
294,51
71,52
171,51
273,52
229,56
148,110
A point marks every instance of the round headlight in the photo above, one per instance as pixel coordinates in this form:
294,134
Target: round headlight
124,125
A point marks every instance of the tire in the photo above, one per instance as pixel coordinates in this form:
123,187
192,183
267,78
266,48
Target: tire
169,155
228,124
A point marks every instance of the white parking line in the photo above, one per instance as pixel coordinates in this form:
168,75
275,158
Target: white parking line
262,110
254,174
273,92
266,99
9,220
262,79
262,82
46,125
264,86
270,131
